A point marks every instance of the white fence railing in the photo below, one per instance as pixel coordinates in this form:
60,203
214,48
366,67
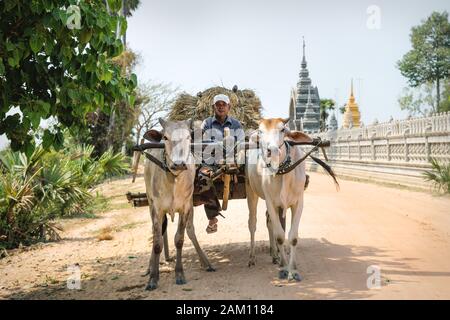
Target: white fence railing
410,141
399,147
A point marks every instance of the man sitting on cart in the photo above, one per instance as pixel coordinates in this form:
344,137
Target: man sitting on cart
213,129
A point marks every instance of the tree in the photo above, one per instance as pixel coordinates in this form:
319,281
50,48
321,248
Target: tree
113,130
429,59
153,101
445,102
422,100
127,8
325,106
53,66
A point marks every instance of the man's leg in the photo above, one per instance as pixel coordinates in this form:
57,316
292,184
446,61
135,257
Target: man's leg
212,209
207,192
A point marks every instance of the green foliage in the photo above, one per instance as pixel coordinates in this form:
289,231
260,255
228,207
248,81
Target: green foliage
429,59
104,130
439,175
422,100
50,69
418,101
444,106
37,189
130,6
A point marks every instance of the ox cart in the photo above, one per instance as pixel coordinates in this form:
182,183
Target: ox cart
228,178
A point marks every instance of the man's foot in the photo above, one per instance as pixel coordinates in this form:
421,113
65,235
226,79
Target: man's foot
212,226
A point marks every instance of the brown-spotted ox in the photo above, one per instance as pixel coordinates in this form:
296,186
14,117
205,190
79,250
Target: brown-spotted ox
169,190
280,191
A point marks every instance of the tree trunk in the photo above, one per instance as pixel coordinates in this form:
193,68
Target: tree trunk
107,7
124,12
138,135
10,214
111,128
438,94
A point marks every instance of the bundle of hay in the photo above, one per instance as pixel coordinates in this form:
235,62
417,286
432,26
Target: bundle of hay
245,106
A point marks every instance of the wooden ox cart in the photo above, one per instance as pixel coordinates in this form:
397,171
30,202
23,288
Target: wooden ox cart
228,179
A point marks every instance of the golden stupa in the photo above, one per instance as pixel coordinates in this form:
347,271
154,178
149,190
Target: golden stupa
352,117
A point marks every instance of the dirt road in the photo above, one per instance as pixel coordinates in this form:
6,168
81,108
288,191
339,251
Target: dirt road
405,233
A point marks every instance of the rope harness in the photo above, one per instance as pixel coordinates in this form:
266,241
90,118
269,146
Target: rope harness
286,165
162,164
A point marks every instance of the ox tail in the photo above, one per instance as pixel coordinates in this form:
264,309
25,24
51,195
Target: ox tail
327,169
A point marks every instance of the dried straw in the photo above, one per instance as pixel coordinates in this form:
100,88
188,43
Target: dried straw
245,106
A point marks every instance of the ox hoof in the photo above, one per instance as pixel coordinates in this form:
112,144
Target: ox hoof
210,269
180,280
283,274
276,260
294,276
169,259
252,262
152,285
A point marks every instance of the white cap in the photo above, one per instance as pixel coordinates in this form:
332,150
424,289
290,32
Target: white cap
221,97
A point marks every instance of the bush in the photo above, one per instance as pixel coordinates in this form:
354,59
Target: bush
48,185
439,175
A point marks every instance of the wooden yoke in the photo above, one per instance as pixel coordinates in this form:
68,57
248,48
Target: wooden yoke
226,178
136,158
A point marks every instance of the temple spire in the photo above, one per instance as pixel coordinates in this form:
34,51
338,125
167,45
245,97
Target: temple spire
351,92
304,55
352,116
307,99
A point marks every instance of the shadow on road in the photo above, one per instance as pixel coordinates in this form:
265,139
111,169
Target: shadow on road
329,270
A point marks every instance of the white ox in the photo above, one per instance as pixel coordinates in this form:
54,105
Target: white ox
279,191
170,191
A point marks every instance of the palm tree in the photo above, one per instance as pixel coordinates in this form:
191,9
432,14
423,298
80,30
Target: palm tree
439,175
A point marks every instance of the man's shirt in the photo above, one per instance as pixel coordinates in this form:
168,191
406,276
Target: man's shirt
213,129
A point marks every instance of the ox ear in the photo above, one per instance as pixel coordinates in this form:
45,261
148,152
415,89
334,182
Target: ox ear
286,120
153,135
298,136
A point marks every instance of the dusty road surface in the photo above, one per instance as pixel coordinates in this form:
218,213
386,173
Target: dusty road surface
342,234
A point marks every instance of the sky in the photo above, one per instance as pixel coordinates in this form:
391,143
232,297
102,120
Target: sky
257,44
